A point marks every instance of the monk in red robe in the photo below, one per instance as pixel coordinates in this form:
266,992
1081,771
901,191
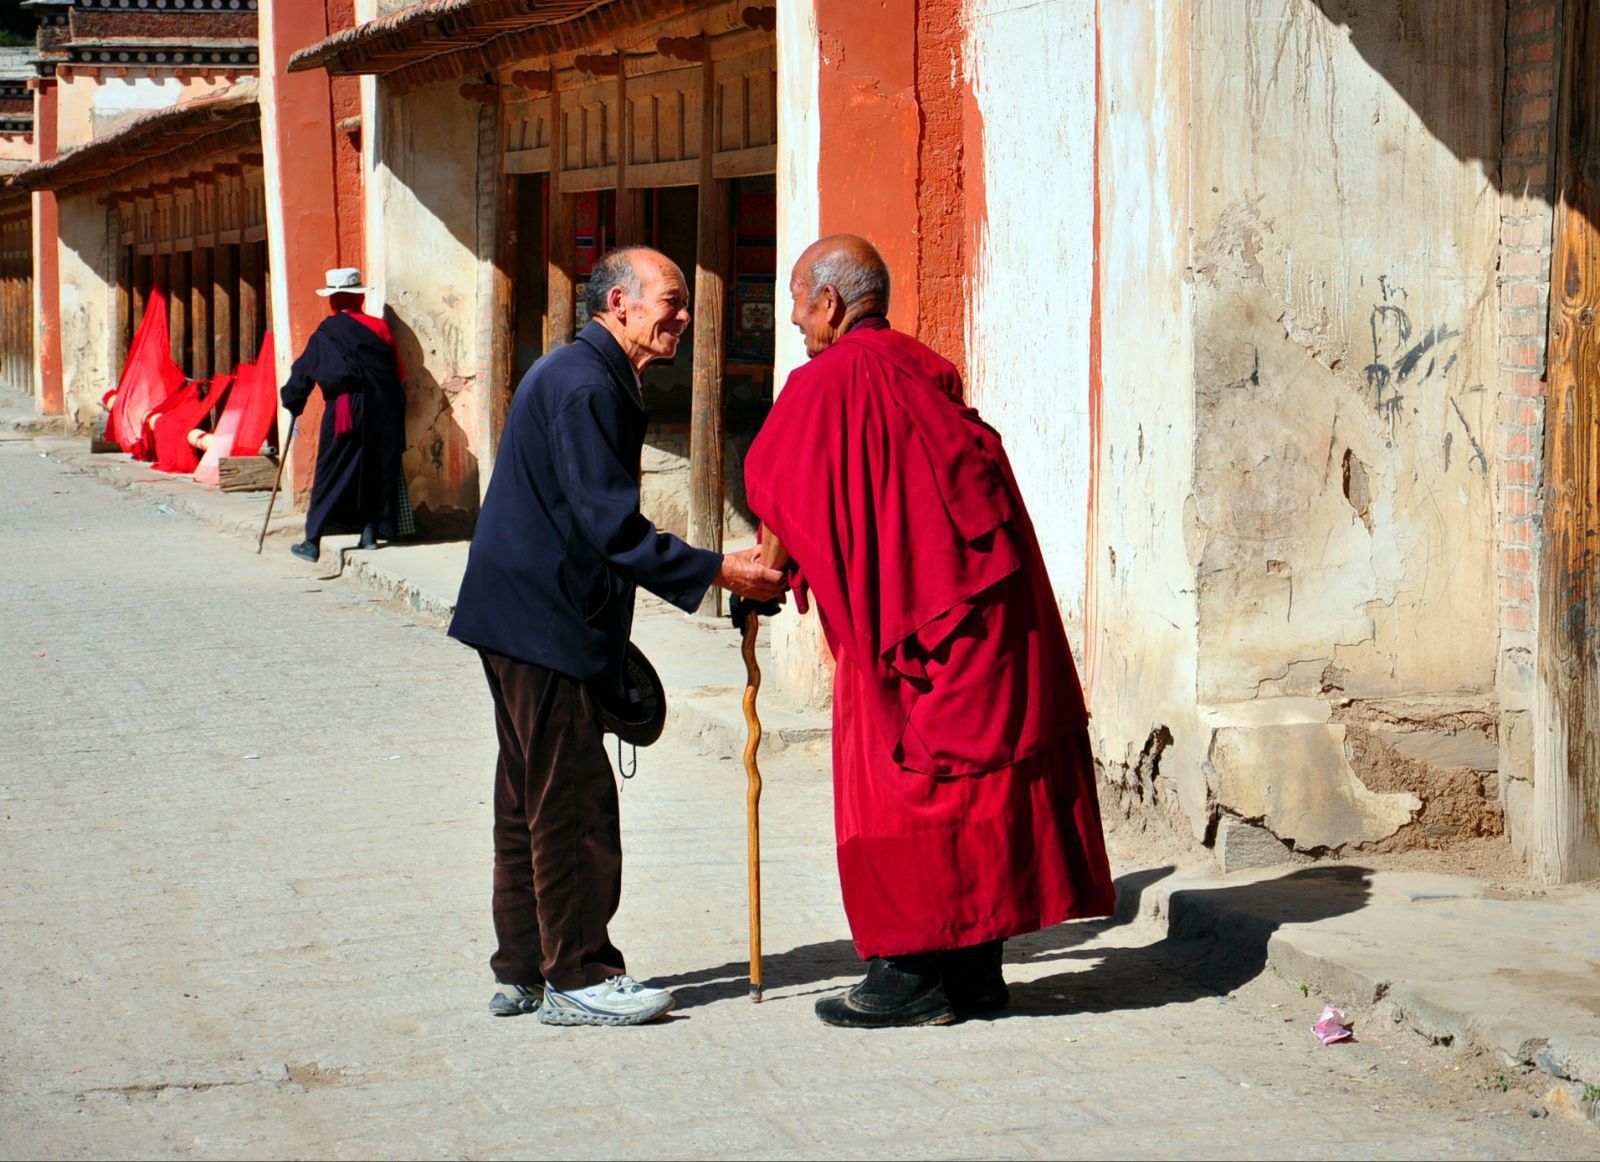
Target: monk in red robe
964,790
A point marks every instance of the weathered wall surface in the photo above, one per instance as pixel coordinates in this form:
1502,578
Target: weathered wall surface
1033,73
424,266
85,307
1345,247
1142,544
92,107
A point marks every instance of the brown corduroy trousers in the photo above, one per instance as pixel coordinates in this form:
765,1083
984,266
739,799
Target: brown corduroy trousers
557,831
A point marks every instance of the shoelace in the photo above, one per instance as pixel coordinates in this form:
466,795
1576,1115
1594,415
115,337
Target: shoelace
624,983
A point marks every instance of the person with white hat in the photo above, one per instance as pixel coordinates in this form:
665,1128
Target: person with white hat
358,486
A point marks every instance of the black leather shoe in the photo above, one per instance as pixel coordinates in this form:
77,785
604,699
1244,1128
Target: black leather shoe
900,990
306,551
369,537
972,979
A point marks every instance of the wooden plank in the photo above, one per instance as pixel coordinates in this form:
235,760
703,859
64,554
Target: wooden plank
246,473
527,161
744,163
665,173
577,181
1566,782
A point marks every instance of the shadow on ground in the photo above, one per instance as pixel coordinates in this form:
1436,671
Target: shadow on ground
1216,941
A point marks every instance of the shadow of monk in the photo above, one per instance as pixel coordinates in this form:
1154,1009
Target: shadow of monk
1216,940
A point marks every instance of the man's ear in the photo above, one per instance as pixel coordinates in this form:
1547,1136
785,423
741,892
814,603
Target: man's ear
614,302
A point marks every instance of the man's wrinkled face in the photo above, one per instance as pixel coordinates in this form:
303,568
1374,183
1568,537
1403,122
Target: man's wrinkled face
656,320
813,314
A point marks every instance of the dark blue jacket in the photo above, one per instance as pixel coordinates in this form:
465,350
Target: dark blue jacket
560,545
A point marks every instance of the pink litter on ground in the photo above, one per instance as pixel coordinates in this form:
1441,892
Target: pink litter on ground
1331,1026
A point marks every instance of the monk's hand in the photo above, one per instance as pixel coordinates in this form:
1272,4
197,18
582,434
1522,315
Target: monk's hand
744,574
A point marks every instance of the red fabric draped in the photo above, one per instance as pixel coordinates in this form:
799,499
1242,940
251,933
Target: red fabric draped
172,421
965,804
248,415
149,376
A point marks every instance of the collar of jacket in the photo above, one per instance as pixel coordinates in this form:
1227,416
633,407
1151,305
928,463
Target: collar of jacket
616,362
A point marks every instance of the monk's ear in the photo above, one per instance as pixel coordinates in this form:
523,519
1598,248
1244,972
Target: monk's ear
836,307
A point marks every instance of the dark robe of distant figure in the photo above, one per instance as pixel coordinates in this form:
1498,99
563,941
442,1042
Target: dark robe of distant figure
351,356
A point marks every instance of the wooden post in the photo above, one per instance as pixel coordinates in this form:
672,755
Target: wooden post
178,310
561,243
503,307
141,287
224,290
121,328
1567,745
249,301
200,311
710,349
627,219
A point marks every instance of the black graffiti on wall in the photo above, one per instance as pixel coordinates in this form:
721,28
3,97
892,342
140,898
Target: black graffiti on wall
1405,362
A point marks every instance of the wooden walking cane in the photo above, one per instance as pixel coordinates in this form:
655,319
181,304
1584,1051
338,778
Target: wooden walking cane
752,671
283,458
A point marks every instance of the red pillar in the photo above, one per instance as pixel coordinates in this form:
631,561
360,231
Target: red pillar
46,261
867,105
302,195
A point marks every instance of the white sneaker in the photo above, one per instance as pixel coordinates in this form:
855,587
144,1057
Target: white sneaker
620,1000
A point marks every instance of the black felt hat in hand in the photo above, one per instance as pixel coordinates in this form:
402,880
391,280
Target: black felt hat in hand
636,709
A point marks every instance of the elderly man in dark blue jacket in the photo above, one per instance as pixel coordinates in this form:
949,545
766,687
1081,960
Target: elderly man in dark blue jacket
547,600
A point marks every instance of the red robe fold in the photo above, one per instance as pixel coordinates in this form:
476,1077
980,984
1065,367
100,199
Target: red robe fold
170,422
965,802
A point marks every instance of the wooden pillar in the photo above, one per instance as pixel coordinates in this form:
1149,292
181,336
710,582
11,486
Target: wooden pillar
249,301
200,311
141,287
224,294
178,310
710,349
121,303
1567,744
628,224
561,242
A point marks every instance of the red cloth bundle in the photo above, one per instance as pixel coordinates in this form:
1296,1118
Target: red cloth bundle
172,420
148,377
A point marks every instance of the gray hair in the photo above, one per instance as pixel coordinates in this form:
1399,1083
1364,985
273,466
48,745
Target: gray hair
856,277
613,268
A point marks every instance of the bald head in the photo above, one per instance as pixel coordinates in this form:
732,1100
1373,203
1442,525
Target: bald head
837,280
851,265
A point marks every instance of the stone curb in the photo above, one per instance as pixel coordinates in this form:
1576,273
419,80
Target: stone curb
1338,965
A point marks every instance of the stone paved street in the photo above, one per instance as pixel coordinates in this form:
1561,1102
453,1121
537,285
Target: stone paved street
244,877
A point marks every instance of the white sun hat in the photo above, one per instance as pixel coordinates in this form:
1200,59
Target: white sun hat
344,281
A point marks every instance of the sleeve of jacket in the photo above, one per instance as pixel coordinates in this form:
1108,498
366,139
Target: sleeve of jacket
302,377
605,503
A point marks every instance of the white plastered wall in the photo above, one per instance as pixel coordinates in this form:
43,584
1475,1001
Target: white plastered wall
422,206
801,658
86,278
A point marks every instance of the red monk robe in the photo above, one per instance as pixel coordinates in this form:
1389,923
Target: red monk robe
964,794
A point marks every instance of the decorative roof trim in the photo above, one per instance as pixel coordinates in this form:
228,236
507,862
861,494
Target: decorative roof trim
435,28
